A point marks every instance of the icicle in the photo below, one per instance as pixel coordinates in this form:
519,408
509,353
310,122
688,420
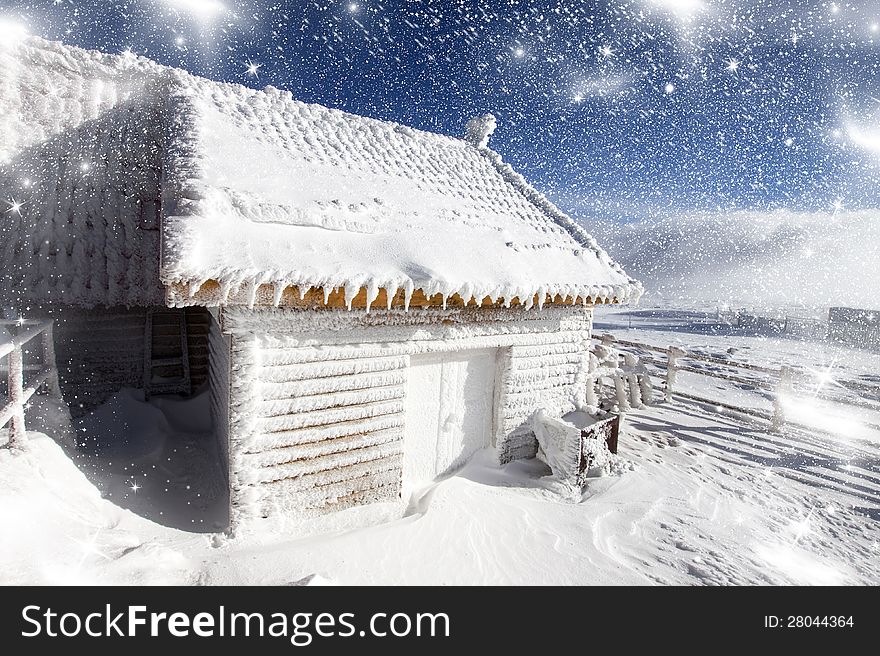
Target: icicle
391,292
278,291
466,293
372,293
351,290
542,297
253,286
225,289
302,290
407,294
327,291
193,288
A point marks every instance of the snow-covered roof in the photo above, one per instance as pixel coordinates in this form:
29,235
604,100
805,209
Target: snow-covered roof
260,193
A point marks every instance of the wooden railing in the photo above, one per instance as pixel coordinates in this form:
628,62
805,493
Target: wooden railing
19,391
778,381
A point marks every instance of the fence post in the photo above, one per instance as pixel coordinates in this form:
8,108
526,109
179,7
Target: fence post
632,379
592,380
49,361
620,392
672,355
783,387
645,385
17,434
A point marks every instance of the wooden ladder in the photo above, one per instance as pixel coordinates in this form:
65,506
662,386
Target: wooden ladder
166,353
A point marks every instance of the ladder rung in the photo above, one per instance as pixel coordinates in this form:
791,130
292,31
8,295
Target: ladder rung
166,331
166,362
165,388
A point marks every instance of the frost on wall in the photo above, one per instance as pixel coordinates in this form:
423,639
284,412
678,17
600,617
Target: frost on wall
317,398
82,156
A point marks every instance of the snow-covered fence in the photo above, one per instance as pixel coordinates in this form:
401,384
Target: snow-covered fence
782,386
630,377
776,381
18,394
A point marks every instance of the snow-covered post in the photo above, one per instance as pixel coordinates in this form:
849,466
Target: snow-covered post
620,392
49,361
592,379
17,434
632,379
646,387
783,388
672,355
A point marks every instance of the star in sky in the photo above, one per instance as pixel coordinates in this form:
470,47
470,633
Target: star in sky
14,206
253,69
571,81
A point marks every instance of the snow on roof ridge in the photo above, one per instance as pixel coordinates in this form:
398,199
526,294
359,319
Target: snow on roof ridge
559,217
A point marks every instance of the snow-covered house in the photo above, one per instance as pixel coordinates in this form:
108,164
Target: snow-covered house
368,303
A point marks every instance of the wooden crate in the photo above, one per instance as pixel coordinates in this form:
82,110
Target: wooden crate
606,430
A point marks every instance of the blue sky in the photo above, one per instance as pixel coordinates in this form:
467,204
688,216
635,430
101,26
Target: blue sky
617,109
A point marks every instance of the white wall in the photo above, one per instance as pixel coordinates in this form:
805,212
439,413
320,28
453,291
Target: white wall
318,397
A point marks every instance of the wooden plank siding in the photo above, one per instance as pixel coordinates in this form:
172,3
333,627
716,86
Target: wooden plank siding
219,346
323,432
317,398
101,350
98,352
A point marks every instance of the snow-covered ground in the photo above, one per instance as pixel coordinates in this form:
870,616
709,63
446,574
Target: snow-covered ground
835,387
694,497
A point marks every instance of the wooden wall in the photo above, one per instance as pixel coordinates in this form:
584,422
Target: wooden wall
98,352
218,375
317,397
101,350
198,322
544,374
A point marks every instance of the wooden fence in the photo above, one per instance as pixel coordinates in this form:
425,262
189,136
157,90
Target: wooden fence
778,381
19,390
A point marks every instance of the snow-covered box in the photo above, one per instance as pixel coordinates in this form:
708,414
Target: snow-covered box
368,303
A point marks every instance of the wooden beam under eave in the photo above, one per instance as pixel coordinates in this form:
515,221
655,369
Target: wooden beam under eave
210,294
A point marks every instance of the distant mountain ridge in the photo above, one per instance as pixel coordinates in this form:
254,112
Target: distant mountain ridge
752,259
